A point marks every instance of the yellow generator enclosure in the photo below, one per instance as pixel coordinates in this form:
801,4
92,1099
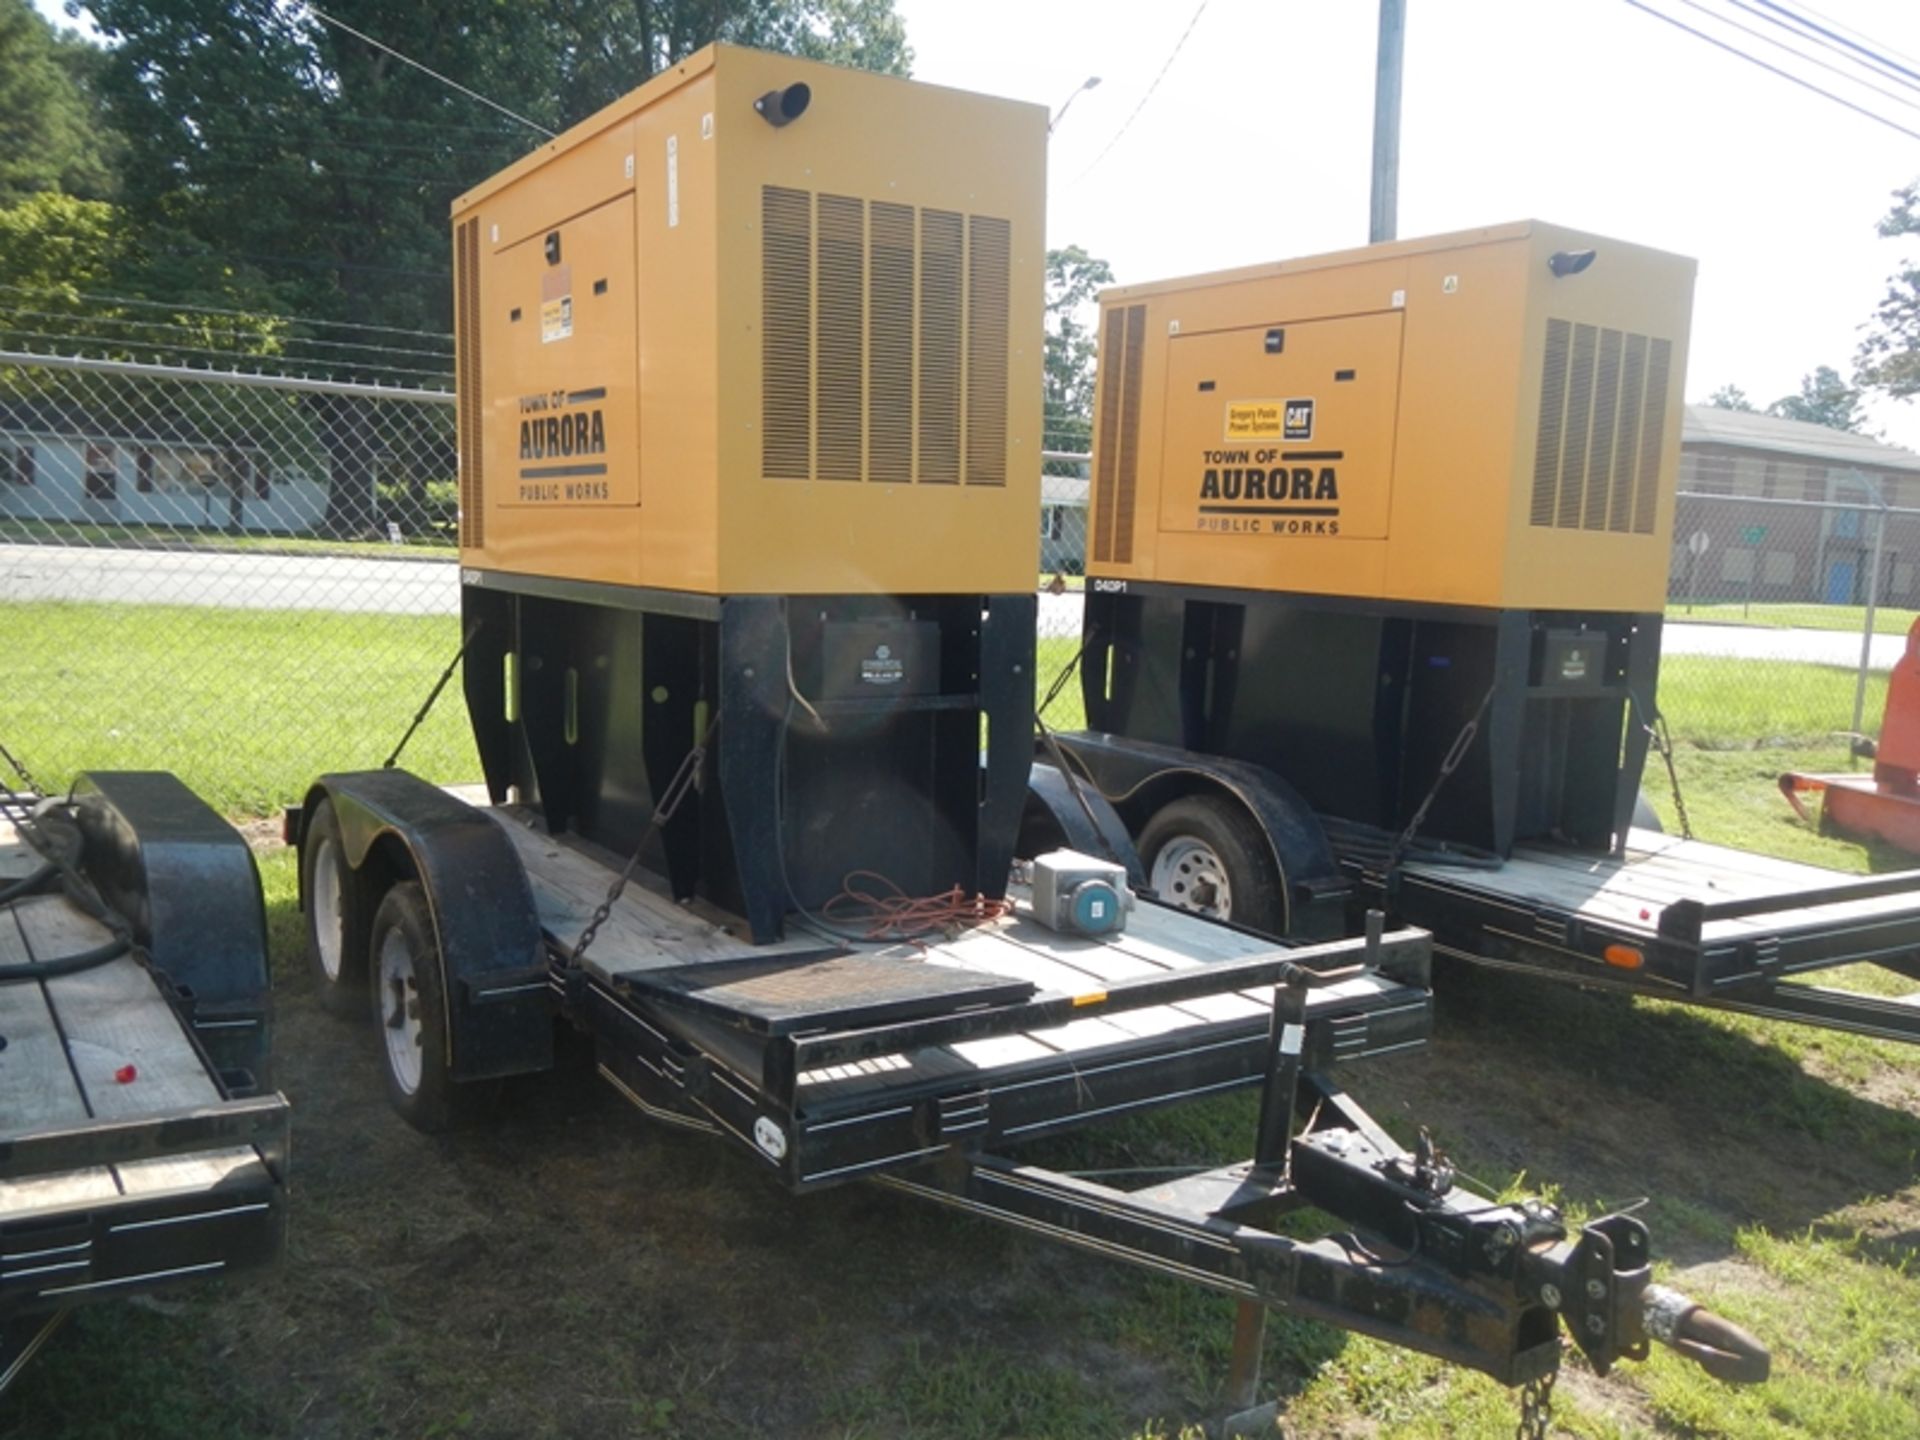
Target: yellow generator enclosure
1487,419
763,326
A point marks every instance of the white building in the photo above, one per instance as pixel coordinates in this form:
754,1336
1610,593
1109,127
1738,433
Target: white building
67,467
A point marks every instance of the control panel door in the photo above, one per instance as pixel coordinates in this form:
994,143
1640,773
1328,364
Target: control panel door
564,409
1282,430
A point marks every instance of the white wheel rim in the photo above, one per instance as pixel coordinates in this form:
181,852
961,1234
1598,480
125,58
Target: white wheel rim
329,931
400,1010
1189,873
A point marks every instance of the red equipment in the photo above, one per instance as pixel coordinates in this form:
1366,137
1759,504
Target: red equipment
1887,805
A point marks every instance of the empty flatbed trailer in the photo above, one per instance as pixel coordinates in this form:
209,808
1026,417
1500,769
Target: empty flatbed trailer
139,1146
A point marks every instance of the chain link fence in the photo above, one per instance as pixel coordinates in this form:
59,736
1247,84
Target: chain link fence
1784,616
253,578
245,578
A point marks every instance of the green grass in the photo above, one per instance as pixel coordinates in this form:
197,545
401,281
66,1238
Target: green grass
1887,620
686,1299
246,706
1723,703
159,537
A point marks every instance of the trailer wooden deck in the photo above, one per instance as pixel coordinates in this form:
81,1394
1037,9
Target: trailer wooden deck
688,969
1631,893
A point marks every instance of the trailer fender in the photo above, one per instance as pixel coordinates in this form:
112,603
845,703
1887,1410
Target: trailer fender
496,996
1054,813
1139,778
186,882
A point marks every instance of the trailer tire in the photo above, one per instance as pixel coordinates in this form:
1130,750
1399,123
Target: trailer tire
1206,854
336,929
1645,817
409,1010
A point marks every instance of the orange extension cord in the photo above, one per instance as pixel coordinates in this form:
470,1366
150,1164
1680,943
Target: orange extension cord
869,899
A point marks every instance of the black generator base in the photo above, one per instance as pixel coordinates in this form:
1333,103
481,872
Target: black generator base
839,733
1360,705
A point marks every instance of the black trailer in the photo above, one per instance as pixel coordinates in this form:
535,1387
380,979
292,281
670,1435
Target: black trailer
140,1144
1290,764
463,930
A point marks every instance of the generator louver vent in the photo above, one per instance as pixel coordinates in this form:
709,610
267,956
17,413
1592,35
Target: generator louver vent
1119,463
1603,408
989,246
841,401
786,312
884,341
466,383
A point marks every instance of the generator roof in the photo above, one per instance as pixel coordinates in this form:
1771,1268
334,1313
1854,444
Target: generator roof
1420,245
1748,430
661,83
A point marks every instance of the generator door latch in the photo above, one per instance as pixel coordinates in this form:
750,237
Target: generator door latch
1276,341
553,247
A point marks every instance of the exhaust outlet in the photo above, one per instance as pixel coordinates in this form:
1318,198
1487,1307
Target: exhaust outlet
783,107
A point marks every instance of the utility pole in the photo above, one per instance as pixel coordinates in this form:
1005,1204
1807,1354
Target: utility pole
1386,122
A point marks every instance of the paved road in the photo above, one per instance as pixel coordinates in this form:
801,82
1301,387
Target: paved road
425,587
230,581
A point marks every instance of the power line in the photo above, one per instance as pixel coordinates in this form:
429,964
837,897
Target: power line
122,342
330,117
1848,75
1804,84
361,35
1127,124
180,307
1879,72
1872,55
378,147
326,171
327,265
1859,35
233,332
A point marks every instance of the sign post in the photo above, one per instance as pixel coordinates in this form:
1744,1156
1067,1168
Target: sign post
1697,544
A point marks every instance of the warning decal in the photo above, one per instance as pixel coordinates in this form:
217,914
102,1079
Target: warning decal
556,304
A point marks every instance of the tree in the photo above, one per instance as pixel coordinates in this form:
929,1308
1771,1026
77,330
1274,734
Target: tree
1730,397
324,167
1074,278
51,135
1824,399
1889,358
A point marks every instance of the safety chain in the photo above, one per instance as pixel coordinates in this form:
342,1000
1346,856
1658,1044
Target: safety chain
678,788
466,642
19,769
1461,744
1662,740
1536,1407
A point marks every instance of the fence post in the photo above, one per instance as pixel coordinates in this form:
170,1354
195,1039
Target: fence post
1873,600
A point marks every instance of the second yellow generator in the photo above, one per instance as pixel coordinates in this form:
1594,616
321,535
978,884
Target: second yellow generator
1347,508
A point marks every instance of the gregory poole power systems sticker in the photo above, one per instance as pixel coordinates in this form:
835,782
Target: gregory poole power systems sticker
1269,419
